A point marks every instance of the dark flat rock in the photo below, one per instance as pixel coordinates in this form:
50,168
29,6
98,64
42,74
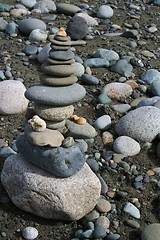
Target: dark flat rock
61,162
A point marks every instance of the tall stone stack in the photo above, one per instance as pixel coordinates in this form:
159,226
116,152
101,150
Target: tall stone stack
53,98
49,176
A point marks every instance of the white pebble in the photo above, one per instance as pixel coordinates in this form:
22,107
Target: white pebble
30,233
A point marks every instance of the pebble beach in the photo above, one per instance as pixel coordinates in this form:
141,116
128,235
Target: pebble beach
110,67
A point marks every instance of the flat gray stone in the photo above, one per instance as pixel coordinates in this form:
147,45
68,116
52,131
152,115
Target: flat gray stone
38,192
58,70
142,124
84,131
96,62
61,55
107,54
58,62
68,9
61,162
48,137
61,96
26,26
56,81
51,113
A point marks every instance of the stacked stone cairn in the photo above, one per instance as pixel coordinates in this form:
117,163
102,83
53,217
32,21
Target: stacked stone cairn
49,176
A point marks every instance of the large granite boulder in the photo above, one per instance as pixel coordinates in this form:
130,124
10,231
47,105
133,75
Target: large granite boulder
38,192
60,161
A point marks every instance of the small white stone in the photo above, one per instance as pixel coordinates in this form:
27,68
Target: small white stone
132,210
105,11
38,35
30,233
103,122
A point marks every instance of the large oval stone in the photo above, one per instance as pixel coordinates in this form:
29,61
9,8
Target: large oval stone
61,96
60,161
142,124
61,55
38,192
26,26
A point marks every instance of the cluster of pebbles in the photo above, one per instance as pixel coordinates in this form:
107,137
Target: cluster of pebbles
54,100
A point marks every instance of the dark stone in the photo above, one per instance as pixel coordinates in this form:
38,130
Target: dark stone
61,162
77,28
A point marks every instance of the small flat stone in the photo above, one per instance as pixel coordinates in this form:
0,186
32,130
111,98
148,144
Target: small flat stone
84,131
133,224
122,108
61,55
96,62
147,53
99,232
56,81
61,38
59,43
58,70
60,126
68,9
52,138
53,113
30,49
51,61
59,48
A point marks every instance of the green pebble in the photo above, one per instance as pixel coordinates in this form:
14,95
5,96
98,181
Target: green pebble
104,99
5,7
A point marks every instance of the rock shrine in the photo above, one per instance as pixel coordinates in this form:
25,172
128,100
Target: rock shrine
49,176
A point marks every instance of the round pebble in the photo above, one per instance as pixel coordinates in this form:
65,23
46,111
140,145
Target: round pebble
30,233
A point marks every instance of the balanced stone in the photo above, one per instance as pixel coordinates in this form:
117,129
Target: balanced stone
52,138
47,196
61,38
61,162
53,113
56,96
56,70
84,131
56,81
60,43
58,62
61,55
59,48
60,126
